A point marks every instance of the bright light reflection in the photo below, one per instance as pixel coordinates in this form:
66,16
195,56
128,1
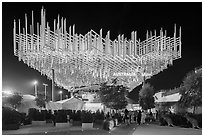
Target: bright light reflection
7,92
35,82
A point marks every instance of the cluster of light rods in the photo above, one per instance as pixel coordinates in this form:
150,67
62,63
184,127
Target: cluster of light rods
91,59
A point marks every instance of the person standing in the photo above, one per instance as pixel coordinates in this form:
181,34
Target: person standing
54,119
135,116
127,117
143,117
139,115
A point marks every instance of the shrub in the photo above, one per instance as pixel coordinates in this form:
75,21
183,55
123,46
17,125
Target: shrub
86,117
48,115
162,122
76,116
61,116
10,116
179,120
35,115
32,113
108,125
99,115
27,120
197,117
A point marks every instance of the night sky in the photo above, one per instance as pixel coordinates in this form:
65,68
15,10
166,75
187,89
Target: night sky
119,18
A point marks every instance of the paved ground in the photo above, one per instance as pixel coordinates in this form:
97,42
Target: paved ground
153,129
132,129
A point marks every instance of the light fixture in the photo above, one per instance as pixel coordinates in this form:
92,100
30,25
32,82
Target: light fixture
83,60
35,82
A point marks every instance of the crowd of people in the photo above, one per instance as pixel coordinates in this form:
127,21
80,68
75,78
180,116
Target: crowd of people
126,116
138,117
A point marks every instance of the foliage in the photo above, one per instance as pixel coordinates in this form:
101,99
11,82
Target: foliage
86,117
61,116
180,120
191,90
197,117
99,115
146,99
108,125
40,101
76,116
10,116
15,100
35,115
113,96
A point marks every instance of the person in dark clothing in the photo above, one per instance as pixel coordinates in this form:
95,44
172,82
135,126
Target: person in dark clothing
135,116
54,119
139,115
127,117
150,116
108,115
157,115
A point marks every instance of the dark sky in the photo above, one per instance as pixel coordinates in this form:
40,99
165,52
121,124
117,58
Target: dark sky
119,18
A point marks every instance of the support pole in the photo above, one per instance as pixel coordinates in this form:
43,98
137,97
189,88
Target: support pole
53,86
36,92
45,89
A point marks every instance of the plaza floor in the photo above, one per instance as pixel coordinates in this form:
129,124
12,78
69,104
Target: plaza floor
133,129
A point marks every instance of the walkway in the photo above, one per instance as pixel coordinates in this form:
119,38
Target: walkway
132,129
153,129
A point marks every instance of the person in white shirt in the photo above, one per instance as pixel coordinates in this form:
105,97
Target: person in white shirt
143,117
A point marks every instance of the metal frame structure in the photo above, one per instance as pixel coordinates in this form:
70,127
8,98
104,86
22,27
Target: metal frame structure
91,59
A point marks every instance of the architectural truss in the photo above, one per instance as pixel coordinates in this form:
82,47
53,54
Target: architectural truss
91,59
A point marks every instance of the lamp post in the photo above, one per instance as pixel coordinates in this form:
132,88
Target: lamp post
60,92
35,85
45,89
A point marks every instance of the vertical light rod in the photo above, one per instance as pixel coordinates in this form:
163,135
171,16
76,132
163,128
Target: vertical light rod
53,86
14,37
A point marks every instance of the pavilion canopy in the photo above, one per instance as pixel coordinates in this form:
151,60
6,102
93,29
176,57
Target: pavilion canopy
53,106
159,97
71,103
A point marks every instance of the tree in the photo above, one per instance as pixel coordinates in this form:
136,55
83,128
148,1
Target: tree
191,90
40,100
113,96
15,100
146,99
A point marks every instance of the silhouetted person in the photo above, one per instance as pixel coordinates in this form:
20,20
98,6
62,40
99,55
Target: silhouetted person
135,116
108,115
139,115
150,116
157,115
54,119
127,117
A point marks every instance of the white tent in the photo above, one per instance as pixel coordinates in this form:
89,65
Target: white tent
170,98
53,106
71,103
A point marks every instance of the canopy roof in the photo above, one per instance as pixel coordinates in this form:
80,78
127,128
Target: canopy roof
72,103
159,97
81,60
